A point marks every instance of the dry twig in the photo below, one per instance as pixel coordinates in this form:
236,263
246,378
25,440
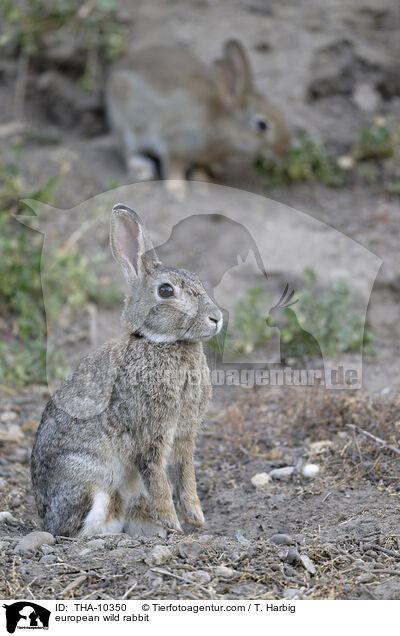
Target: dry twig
129,590
376,439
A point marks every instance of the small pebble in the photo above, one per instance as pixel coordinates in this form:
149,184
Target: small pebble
159,555
282,473
261,480
293,555
310,470
307,563
289,571
291,593
345,162
157,581
3,483
96,544
48,558
7,517
366,577
33,541
321,446
300,539
224,572
125,542
366,97
13,433
199,576
8,416
239,537
85,552
281,539
47,549
190,549
205,538
20,455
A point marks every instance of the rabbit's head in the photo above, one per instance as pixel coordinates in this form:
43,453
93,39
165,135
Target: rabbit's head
164,304
249,120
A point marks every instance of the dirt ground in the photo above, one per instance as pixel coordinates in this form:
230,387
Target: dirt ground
335,535
332,536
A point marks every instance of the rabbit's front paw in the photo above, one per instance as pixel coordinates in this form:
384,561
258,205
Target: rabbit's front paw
177,189
191,511
167,518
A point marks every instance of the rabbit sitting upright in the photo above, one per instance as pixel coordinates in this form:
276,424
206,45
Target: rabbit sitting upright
116,441
166,104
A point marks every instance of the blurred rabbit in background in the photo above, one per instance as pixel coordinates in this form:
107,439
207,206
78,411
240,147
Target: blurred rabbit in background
165,104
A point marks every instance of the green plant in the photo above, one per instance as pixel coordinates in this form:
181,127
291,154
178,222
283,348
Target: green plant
330,317
308,160
22,321
327,320
376,142
91,31
248,329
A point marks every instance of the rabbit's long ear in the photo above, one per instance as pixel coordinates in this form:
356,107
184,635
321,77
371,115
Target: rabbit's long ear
236,56
229,89
130,245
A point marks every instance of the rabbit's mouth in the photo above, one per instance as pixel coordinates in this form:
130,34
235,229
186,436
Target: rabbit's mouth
217,325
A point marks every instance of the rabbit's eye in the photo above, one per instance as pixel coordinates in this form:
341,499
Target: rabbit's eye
262,124
165,290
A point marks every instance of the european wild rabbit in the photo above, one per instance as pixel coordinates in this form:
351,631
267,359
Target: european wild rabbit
166,104
116,441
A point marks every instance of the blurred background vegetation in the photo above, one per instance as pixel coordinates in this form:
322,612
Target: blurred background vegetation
79,40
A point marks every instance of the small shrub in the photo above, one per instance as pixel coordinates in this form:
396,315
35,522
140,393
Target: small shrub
92,30
329,317
22,319
249,329
308,160
376,142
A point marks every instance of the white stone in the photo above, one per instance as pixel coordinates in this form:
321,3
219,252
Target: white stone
224,572
260,480
310,470
282,473
12,433
345,162
8,416
366,97
33,541
6,516
159,555
321,446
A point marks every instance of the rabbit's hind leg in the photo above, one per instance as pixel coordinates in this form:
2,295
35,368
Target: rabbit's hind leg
141,168
63,510
138,521
106,515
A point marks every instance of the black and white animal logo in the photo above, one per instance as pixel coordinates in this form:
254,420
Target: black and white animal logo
26,615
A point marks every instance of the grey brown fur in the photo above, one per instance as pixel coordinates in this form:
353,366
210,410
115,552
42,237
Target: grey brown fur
166,103
116,441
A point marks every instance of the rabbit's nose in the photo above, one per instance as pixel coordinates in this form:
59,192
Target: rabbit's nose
215,317
216,321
